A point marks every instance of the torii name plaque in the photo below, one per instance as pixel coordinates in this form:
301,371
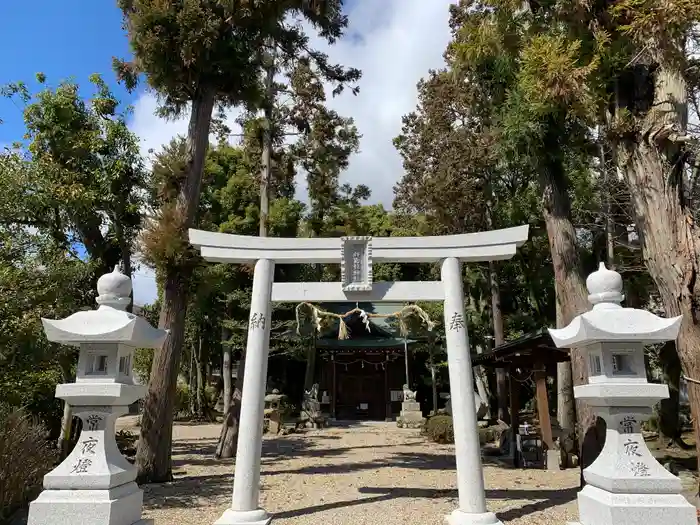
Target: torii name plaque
356,264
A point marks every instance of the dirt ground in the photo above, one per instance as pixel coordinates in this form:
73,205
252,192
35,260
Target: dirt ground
361,473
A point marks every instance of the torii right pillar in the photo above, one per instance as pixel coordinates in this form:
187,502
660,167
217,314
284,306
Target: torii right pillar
625,485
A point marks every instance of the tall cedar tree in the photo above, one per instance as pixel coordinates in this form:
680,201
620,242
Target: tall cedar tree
499,53
441,171
196,54
623,66
293,104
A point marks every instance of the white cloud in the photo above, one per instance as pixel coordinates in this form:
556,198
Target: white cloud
144,283
394,43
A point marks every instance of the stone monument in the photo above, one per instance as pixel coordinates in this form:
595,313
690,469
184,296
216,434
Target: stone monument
95,485
411,415
625,484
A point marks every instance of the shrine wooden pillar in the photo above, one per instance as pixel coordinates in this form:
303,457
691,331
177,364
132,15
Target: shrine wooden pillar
334,387
387,394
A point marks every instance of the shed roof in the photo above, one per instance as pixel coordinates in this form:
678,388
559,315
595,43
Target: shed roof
524,352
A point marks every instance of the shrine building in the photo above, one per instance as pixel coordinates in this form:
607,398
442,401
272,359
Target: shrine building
361,377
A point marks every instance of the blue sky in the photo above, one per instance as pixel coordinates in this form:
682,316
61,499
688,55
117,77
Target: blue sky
63,39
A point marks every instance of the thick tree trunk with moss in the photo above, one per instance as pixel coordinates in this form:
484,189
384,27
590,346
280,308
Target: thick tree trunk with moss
154,453
571,297
653,160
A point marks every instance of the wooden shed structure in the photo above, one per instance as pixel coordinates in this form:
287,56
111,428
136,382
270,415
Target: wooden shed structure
534,353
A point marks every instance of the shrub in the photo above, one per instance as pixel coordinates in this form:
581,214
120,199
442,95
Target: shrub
34,392
126,442
439,429
487,435
25,457
652,424
182,401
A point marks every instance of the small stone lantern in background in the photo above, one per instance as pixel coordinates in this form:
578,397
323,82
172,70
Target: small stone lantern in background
95,485
273,411
626,485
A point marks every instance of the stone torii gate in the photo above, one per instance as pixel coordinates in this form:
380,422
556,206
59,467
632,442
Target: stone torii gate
356,256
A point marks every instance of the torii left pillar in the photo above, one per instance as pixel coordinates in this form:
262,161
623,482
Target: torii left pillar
470,478
245,508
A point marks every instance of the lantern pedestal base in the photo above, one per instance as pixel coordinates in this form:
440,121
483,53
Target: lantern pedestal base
600,507
118,506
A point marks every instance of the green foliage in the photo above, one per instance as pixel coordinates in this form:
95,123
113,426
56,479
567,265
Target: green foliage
439,428
25,459
143,360
77,182
83,168
182,400
34,391
217,44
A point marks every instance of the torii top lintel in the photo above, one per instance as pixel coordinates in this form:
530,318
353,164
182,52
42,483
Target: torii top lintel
468,247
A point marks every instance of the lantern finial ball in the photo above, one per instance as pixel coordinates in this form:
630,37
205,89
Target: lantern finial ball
605,288
114,289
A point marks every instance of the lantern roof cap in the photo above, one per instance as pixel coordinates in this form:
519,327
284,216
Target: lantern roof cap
608,321
110,323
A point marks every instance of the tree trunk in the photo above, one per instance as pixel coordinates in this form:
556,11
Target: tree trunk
571,296
482,386
497,318
200,408
226,370
654,164
267,143
310,373
433,382
566,404
154,453
64,439
668,411
228,439
498,340
192,382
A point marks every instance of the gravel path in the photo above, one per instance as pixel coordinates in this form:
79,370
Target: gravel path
365,473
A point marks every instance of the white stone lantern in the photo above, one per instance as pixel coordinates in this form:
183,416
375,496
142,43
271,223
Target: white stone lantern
626,485
95,485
